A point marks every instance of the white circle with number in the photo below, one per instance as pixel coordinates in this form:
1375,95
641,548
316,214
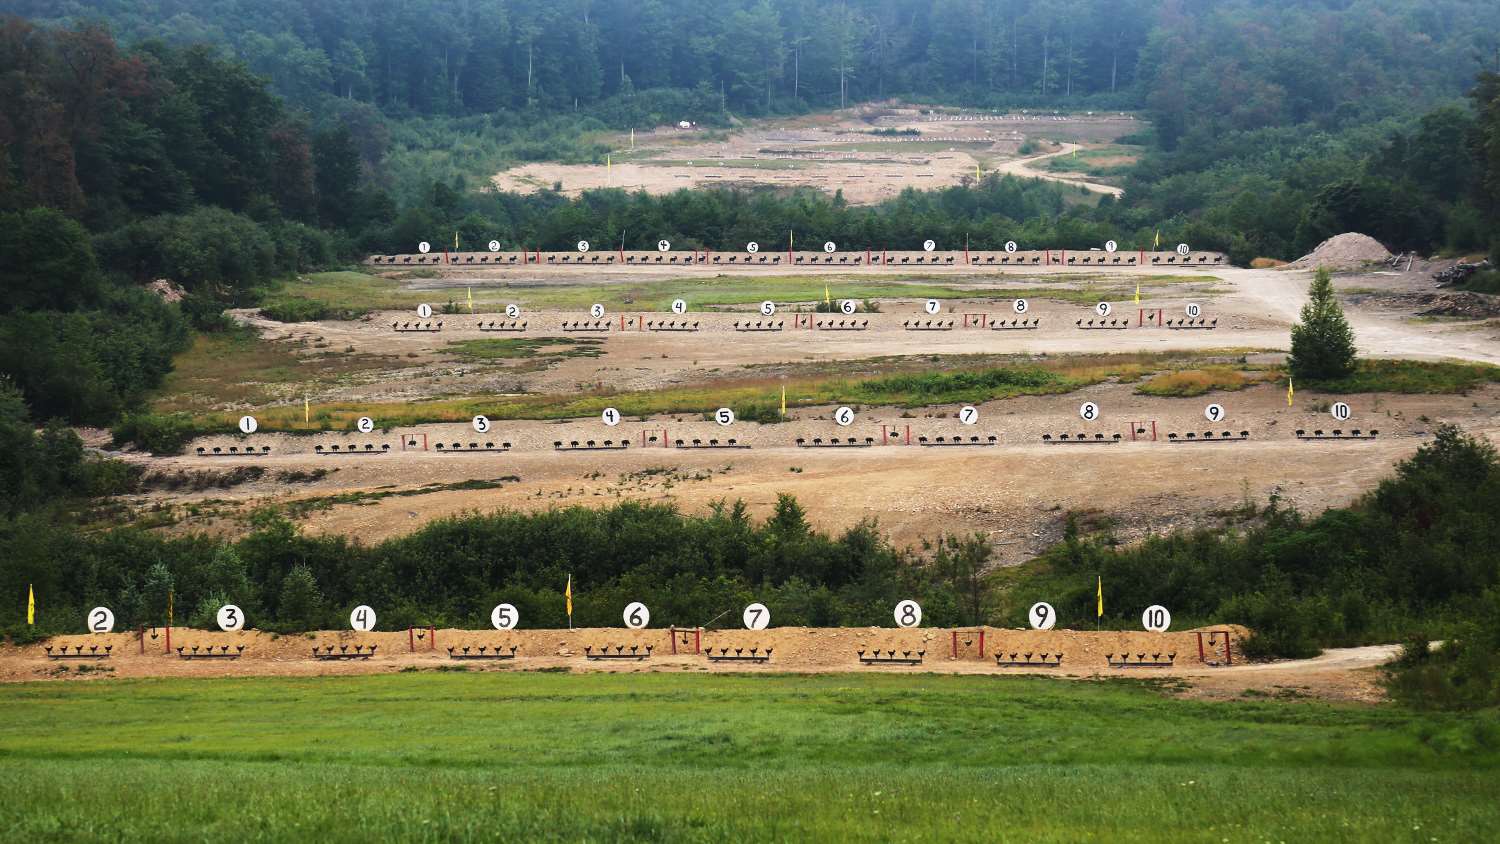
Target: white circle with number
637,616
1341,411
362,619
679,306
757,617
829,247
663,246
1088,411
1021,305
596,310
583,246
504,617
424,310
100,620
1156,618
844,416
248,425
928,245
364,424
932,306
512,311
968,414
494,246
610,416
1214,413
1110,246
230,618
1103,309
1010,246
1194,310
481,424
1042,616
767,308
724,416
1182,249
908,613
847,306
424,247
752,247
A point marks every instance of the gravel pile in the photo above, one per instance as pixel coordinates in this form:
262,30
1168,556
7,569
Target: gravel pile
1348,251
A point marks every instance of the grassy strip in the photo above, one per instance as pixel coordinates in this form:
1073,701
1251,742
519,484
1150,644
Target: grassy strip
300,507
633,757
1409,376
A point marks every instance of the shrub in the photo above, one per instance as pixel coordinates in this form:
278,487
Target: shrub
157,433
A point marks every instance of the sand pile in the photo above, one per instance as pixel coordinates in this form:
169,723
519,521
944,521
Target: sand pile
1347,251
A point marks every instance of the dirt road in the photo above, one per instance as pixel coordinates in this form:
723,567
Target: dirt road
1023,167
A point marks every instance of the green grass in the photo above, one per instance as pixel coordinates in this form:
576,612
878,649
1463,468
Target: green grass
525,348
1409,376
498,755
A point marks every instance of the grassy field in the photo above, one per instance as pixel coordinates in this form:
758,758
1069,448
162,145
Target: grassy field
500,755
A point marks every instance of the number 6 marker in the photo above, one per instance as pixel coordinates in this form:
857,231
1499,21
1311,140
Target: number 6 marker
637,616
844,416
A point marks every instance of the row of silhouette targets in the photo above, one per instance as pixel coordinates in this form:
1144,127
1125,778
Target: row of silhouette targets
843,325
1065,439
1017,659
586,325
671,325
891,657
1140,661
328,654
1338,434
78,652
590,445
1199,324
1015,324
502,325
928,325
835,442
972,439
459,448
1101,323
483,652
417,325
1088,259
755,654
759,325
202,652
620,652
231,451
712,443
352,448
1209,437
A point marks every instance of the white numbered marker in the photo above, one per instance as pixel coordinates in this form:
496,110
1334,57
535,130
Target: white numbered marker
1088,411
610,416
663,246
504,617
932,306
847,306
752,247
424,247
424,310
928,245
1193,310
1103,309
1010,246
362,619
829,247
968,414
1341,411
1214,413
1110,246
1182,249
767,308
1043,616
248,425
1156,618
724,416
679,306
1021,306
230,618
365,425
583,246
844,416
100,620
908,613
757,617
512,311
494,246
596,310
481,424
637,616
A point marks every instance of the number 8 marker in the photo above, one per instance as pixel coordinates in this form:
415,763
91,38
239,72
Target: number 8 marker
1021,306
908,613
1088,411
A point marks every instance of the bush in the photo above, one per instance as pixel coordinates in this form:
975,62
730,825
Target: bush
1322,342
296,310
157,433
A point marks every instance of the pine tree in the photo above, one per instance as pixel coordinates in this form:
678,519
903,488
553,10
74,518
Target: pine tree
1323,342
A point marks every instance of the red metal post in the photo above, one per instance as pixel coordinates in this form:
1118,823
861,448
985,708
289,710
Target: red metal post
697,640
908,435
1228,649
955,644
981,643
411,640
1201,657
169,641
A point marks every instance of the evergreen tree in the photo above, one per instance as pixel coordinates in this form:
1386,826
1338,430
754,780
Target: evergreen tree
1323,342
301,601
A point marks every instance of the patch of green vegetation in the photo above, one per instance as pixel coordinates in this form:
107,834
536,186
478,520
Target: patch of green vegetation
301,507
630,757
1409,376
1198,382
516,348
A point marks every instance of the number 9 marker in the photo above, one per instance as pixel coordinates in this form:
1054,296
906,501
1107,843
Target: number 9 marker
1043,616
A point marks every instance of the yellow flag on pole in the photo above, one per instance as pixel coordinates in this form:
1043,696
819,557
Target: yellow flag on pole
1101,596
455,241
1138,291
306,410
1157,243
783,399
977,174
30,604
609,169
471,300
568,594
1289,391
827,297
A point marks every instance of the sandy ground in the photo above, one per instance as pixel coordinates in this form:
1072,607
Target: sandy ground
835,152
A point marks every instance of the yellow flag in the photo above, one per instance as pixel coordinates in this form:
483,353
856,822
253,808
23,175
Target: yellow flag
568,594
471,300
1289,391
827,298
1137,291
455,241
1157,244
306,410
1101,596
30,604
632,139
977,174
783,399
